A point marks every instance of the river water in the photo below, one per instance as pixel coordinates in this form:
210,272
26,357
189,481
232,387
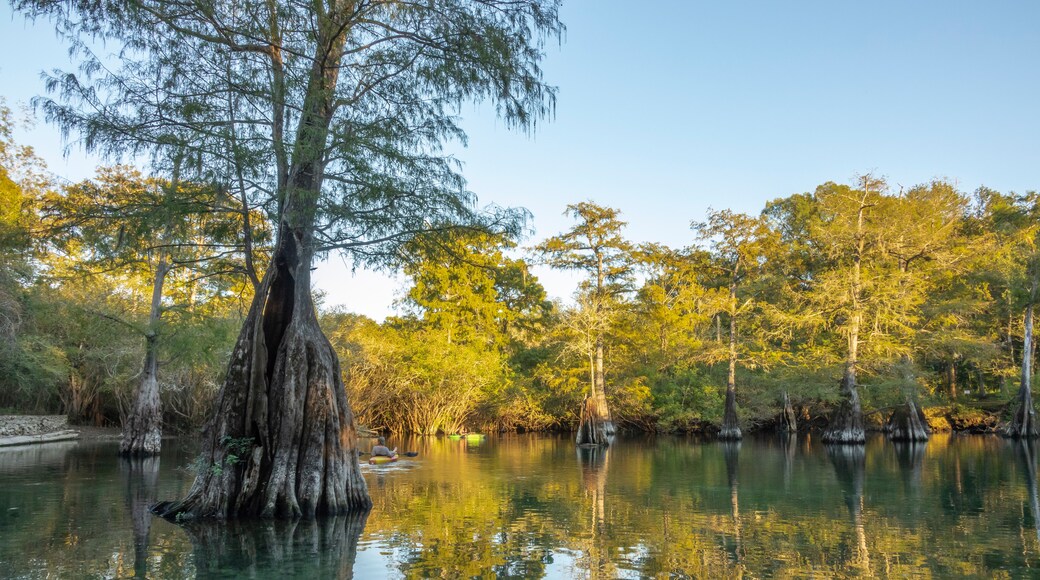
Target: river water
535,506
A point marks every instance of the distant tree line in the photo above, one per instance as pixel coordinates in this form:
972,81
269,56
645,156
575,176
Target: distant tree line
846,298
827,303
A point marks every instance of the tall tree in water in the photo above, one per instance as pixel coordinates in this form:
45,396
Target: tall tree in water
344,107
1015,221
595,246
846,232
156,232
739,245
924,297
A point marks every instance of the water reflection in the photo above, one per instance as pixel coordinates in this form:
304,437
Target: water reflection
531,506
1025,451
910,456
594,463
789,446
731,453
34,457
849,463
323,548
140,480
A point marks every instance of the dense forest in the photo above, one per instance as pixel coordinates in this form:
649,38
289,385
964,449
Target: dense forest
852,289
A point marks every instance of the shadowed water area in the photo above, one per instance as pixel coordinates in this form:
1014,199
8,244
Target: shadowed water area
534,506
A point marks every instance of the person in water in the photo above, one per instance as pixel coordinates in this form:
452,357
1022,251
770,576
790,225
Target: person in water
381,449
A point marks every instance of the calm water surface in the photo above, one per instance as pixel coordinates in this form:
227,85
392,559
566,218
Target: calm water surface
534,506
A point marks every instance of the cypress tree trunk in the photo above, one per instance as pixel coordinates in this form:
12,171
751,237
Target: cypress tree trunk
730,423
846,425
142,433
282,441
908,423
951,378
1023,422
788,421
594,424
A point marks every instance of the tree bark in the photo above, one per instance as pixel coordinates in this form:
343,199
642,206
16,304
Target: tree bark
595,426
908,423
730,423
788,420
951,379
142,433
1023,422
282,442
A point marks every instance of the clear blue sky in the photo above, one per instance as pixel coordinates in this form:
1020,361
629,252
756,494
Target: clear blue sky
668,108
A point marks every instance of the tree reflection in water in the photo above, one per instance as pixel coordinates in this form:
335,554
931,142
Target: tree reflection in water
731,453
1025,450
319,548
140,478
594,462
849,465
532,507
789,446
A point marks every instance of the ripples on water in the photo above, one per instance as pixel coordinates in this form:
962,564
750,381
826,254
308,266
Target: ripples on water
535,506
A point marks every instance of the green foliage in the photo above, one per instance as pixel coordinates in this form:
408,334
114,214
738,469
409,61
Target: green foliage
938,308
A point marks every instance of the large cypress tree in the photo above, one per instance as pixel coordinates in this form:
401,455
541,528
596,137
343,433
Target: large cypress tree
594,245
333,113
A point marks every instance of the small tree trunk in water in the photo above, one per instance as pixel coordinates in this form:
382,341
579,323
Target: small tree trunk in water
142,433
730,423
1023,423
846,425
594,424
788,420
908,423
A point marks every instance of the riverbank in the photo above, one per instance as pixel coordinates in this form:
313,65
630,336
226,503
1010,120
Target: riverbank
28,429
